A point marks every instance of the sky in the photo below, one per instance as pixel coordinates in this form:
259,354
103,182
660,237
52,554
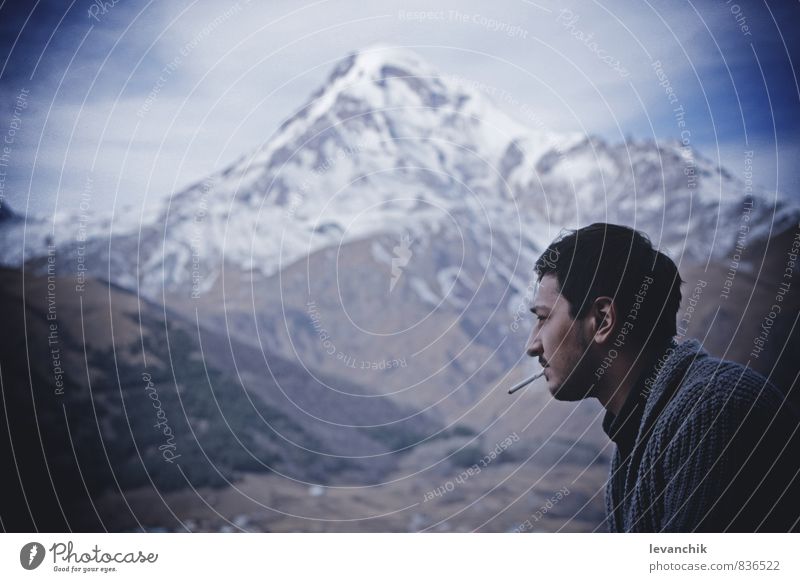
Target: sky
125,102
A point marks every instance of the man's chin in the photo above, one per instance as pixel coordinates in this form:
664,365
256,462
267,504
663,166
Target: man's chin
565,393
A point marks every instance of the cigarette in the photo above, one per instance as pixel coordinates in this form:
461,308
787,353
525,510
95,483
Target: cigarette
524,383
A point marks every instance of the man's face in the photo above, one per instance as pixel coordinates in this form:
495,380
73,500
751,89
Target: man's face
560,343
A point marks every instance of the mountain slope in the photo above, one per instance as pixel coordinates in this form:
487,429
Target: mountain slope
122,394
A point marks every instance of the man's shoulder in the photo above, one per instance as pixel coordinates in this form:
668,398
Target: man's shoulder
720,391
715,380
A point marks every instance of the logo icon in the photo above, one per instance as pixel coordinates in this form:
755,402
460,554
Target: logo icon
31,555
402,254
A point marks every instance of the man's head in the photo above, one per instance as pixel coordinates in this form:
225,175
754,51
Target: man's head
603,291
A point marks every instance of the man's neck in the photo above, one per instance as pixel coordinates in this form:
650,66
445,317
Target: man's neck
621,378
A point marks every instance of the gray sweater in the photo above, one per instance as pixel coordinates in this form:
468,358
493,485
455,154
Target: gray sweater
703,445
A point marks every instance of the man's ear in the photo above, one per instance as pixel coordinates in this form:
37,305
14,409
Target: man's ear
604,319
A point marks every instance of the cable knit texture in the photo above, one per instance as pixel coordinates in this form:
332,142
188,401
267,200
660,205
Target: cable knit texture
716,450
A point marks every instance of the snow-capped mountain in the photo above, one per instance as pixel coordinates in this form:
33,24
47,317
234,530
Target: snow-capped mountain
359,284
388,145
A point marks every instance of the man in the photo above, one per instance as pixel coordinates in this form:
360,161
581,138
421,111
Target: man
701,444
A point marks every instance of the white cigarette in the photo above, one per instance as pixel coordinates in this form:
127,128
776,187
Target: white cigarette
526,382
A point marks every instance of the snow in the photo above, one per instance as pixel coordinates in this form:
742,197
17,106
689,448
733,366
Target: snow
361,181
424,291
380,254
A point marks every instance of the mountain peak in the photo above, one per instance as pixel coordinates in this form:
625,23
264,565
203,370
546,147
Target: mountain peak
374,62
370,73
378,78
394,87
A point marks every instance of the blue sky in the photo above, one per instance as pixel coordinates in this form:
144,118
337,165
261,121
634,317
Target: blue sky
141,99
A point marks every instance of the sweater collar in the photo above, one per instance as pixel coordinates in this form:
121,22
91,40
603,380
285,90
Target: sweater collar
673,365
623,428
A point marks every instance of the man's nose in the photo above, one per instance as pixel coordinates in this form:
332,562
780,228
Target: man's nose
534,347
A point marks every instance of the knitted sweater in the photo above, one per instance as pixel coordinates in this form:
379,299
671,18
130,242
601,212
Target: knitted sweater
703,445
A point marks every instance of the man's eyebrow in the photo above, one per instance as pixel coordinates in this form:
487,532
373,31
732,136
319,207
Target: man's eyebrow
542,308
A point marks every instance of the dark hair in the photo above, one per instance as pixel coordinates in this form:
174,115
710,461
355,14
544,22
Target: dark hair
616,261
